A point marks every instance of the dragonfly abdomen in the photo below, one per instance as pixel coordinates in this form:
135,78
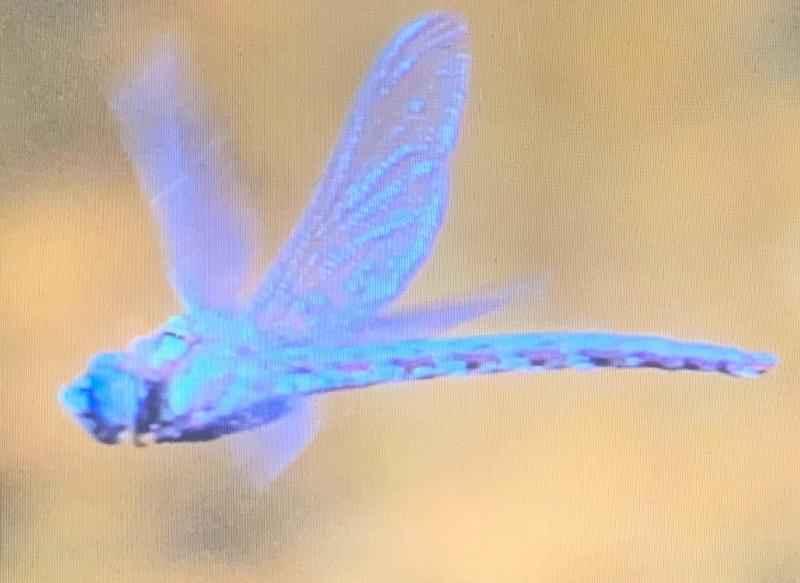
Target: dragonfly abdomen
312,370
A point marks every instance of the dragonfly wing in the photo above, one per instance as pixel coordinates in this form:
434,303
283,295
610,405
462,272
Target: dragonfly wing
264,453
188,180
380,203
437,317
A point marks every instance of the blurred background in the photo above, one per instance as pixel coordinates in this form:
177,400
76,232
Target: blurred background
641,157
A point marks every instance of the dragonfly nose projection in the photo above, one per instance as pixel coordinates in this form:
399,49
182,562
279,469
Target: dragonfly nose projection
319,321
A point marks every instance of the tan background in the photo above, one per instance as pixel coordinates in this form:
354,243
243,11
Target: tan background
644,159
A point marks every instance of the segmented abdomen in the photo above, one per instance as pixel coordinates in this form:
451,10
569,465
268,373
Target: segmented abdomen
312,370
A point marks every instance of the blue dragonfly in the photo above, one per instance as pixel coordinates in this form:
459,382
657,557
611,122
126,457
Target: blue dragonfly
319,320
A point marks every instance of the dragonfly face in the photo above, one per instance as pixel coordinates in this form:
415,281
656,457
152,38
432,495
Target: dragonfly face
106,400
121,390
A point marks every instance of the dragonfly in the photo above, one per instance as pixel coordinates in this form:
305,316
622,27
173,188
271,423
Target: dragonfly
321,317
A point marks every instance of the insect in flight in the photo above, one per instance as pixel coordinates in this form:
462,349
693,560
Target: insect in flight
318,321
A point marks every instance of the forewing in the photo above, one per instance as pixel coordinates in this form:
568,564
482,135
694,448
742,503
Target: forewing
188,180
380,203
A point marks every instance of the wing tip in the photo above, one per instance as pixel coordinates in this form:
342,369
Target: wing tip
157,69
446,28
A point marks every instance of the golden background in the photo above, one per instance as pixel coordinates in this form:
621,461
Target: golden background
641,157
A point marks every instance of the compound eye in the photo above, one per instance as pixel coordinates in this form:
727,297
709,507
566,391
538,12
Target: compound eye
78,398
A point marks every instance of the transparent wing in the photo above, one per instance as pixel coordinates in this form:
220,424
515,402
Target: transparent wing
187,179
438,317
380,203
264,453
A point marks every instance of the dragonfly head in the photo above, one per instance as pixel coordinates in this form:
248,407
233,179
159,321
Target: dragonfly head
105,401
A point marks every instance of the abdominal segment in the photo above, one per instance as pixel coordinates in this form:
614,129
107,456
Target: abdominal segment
310,370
